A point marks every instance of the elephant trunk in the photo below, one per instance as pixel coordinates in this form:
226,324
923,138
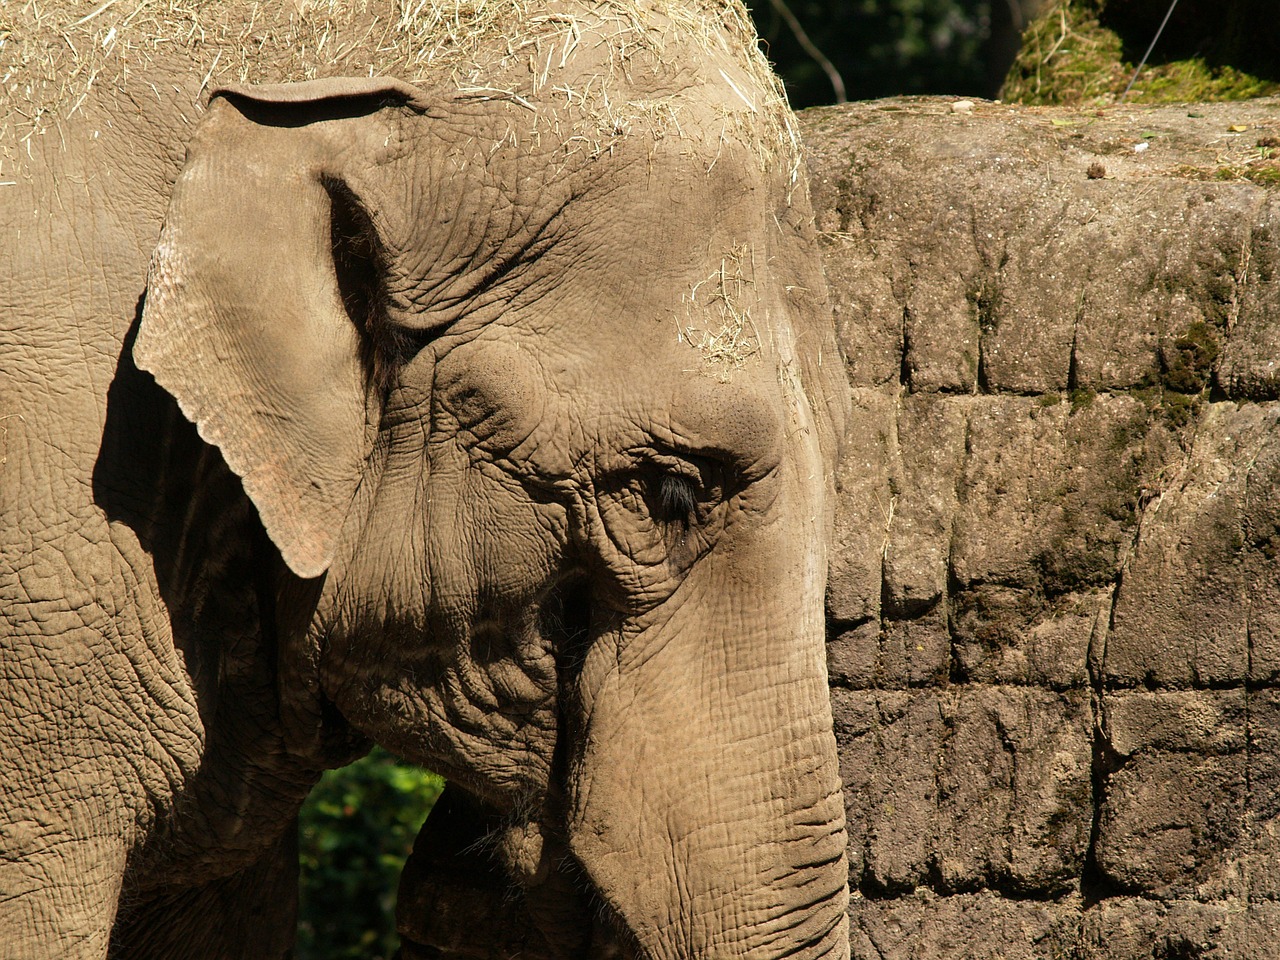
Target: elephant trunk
704,797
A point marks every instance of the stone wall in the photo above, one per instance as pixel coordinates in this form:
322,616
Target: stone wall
1054,610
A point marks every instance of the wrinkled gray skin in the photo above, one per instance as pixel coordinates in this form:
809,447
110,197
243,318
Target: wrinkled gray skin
438,453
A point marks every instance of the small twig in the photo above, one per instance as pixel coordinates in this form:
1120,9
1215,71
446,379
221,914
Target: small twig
736,89
89,16
888,524
209,76
486,94
837,81
1062,37
1154,40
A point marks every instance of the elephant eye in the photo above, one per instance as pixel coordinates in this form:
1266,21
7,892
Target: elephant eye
660,511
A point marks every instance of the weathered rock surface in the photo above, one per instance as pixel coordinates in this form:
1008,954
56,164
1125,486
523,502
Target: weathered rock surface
1054,606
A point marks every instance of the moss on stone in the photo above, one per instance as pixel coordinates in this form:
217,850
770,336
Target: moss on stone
1082,399
1186,362
1179,409
1267,175
1185,81
1264,170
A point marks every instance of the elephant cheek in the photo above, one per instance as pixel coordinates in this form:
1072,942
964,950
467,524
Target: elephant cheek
480,711
494,394
439,652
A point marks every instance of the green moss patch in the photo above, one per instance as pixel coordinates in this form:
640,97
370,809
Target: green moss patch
1264,174
1186,361
1185,81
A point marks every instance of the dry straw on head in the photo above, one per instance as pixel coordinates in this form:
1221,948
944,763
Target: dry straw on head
718,322
57,57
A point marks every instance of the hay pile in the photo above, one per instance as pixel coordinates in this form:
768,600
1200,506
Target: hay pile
57,58
1084,52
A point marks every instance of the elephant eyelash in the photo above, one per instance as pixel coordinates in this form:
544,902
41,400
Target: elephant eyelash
677,500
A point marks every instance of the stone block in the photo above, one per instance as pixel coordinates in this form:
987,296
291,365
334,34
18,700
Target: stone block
977,926
862,514
1116,338
1256,873
1250,366
853,654
1147,289
868,315
941,333
1049,491
1183,609
1174,808
1261,555
889,744
895,655
930,451
1004,635
1030,306
970,788
914,653
1133,928
1014,789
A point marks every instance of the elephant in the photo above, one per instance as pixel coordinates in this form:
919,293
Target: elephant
459,380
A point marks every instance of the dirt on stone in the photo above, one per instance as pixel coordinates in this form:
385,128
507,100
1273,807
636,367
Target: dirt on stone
1054,641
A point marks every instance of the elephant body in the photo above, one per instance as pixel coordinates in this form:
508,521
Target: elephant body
461,382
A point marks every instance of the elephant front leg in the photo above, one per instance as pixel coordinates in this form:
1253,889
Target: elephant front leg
455,900
58,891
249,915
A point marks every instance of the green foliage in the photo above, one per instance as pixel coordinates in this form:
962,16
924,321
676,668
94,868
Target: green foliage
355,832
1067,57
1194,80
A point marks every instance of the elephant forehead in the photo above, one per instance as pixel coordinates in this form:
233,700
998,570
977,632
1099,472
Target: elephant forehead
562,404
610,404
676,229
664,311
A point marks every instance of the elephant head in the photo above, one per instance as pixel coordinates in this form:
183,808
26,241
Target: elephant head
549,404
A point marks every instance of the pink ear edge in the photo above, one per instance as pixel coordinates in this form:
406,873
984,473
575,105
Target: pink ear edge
306,549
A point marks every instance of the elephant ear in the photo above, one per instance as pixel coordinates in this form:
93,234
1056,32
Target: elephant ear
251,318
